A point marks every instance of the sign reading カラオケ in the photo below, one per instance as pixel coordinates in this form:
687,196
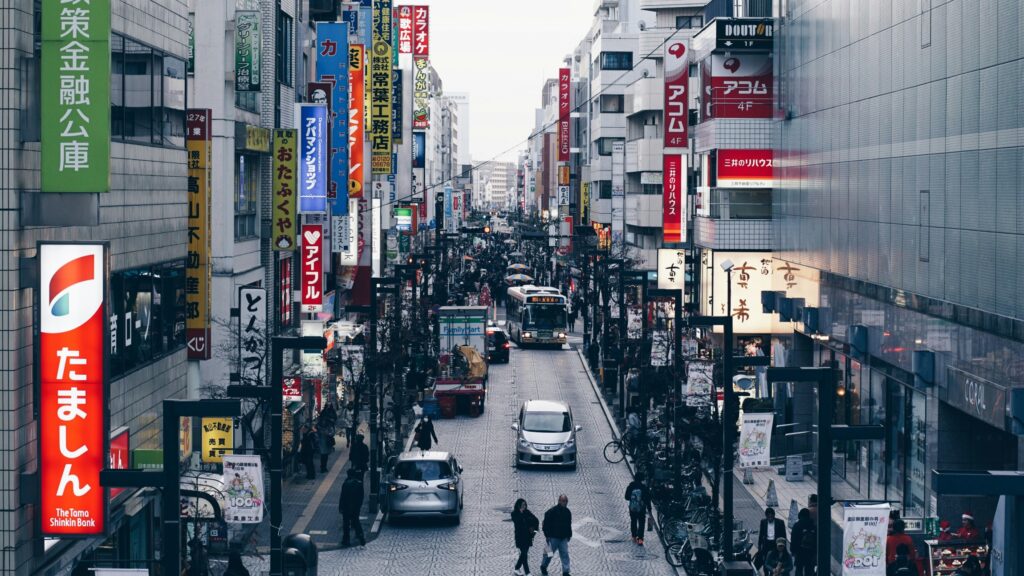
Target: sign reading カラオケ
73,435
75,96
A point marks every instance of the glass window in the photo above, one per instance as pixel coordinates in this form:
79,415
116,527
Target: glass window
423,470
545,317
147,315
247,187
616,61
116,86
138,92
604,189
651,189
147,95
689,22
283,51
172,112
247,101
547,422
613,103
604,145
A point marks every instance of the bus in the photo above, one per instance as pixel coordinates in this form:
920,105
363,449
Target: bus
537,315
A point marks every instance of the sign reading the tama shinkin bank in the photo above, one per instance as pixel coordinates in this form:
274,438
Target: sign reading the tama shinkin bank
75,98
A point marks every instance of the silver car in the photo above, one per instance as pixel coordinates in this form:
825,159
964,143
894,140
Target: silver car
546,435
423,483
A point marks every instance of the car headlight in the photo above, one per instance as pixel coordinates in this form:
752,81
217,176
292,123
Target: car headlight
527,335
561,334
524,443
451,486
396,487
570,443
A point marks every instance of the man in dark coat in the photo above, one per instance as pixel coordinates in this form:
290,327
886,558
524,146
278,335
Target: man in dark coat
771,529
639,498
359,454
349,506
310,448
424,433
526,526
557,528
805,544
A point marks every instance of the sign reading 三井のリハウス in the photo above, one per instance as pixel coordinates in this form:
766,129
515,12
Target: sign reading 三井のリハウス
75,96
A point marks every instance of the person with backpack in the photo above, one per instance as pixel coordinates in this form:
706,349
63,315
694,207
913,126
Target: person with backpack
639,498
804,536
902,565
349,505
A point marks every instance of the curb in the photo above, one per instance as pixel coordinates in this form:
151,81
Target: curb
378,522
615,429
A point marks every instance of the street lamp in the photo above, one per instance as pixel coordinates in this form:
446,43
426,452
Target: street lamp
378,286
628,278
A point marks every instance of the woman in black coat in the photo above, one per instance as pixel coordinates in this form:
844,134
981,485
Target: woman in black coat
526,526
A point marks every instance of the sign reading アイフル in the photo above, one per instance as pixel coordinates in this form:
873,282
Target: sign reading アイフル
312,268
198,122
71,363
381,136
75,96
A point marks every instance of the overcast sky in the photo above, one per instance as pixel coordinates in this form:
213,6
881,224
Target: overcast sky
500,53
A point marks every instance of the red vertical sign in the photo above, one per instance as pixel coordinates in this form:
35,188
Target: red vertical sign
119,457
73,344
286,292
676,98
312,268
421,30
563,115
405,29
673,175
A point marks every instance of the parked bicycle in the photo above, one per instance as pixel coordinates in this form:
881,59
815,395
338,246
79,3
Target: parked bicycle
616,450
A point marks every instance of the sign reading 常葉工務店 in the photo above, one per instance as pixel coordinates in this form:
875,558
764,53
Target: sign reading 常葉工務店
75,96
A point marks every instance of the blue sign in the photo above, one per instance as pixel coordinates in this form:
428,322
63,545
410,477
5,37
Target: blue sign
448,215
419,149
352,17
312,165
332,66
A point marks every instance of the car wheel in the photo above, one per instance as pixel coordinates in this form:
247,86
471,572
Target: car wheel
457,520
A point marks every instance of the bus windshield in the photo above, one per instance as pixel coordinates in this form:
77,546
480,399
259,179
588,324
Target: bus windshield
545,317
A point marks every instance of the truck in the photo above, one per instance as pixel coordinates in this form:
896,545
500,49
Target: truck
461,380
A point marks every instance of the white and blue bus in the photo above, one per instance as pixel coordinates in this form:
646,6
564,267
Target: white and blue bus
537,315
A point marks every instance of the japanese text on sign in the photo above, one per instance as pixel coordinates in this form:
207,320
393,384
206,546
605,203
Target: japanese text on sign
252,335
381,137
197,263
283,224
312,268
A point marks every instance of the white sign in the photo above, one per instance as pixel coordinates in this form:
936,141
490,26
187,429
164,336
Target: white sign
252,335
671,269
339,233
699,379
243,489
375,243
634,323
563,195
661,347
351,364
350,251
864,532
755,439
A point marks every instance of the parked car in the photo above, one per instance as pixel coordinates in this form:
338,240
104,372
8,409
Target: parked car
546,435
424,483
497,345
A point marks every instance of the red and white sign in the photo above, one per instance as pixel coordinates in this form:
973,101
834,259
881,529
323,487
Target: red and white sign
563,114
285,297
421,30
318,389
404,29
291,389
73,344
312,268
120,453
673,197
745,169
677,79
741,86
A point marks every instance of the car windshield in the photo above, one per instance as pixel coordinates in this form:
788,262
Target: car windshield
546,316
496,338
547,422
423,470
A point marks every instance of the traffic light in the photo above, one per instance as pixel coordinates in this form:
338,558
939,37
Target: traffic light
475,229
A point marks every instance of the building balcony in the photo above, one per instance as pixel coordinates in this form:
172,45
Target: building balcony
645,154
667,4
601,210
733,234
643,210
608,126
645,95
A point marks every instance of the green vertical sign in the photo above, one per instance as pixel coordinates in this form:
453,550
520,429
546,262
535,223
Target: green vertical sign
247,51
75,83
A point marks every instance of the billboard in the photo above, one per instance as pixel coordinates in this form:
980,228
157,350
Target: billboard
745,168
311,120
420,94
671,269
865,530
252,335
312,268
741,86
419,149
397,112
421,30
72,319
332,61
673,197
218,438
381,137
197,264
75,98
677,78
283,225
356,121
563,115
405,29
243,487
247,51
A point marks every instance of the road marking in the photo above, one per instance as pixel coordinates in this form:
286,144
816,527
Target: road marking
607,533
318,497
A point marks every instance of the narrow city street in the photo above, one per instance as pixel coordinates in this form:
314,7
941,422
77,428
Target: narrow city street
482,544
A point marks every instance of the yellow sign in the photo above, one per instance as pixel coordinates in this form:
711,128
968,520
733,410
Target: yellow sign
218,439
283,225
257,139
197,263
563,175
381,142
185,438
584,202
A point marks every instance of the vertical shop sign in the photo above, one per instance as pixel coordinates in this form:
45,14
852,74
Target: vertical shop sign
396,106
584,203
350,254
119,456
247,51
312,268
563,115
676,98
243,487
339,234
419,149
190,67
421,94
673,197
72,354
865,528
421,31
75,96
755,440
218,438
332,61
283,224
285,297
252,335
291,389
699,379
357,121
380,89
321,93
671,269
197,264
405,29
311,120
618,192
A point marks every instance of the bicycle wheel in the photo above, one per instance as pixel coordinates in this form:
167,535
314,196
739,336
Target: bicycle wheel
613,452
677,553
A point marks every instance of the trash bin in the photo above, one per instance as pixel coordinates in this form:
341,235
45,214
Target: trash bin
304,545
736,568
295,564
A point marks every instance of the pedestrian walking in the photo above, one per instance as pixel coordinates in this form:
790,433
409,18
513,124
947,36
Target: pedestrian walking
526,526
639,498
557,531
309,448
778,562
424,433
235,566
325,445
349,506
359,454
804,537
771,529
